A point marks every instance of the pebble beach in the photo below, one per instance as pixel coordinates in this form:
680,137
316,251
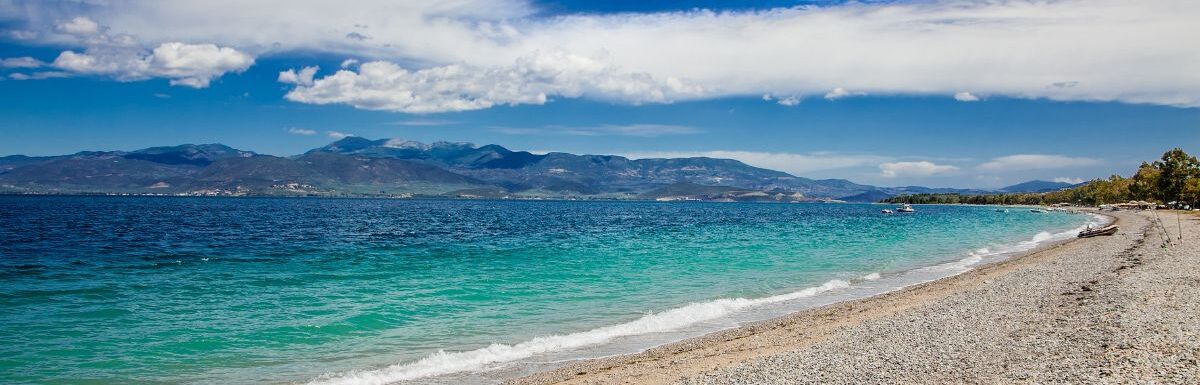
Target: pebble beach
1115,309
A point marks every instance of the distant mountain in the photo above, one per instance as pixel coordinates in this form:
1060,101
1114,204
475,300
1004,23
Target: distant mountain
868,196
1036,186
189,154
684,191
356,166
603,175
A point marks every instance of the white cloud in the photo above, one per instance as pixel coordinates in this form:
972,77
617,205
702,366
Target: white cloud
349,63
838,93
790,101
301,131
640,130
1077,50
19,34
79,26
793,163
39,75
192,65
965,97
1074,180
303,78
1035,162
21,62
915,169
531,79
124,57
337,135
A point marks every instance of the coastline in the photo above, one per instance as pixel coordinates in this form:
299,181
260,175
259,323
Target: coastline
814,339
499,362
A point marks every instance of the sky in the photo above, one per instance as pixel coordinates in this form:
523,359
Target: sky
889,93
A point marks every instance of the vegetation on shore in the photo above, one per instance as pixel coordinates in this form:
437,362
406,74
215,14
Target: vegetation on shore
1173,178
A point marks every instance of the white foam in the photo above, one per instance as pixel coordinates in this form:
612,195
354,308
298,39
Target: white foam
978,255
442,362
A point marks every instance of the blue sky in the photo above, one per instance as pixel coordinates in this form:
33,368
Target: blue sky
949,120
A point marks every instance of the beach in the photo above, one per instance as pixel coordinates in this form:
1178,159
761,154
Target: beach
1117,309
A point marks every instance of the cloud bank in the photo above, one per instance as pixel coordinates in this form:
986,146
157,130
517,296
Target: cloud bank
915,169
1022,162
533,79
437,56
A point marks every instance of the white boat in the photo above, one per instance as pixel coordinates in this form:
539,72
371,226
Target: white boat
887,211
1037,210
905,209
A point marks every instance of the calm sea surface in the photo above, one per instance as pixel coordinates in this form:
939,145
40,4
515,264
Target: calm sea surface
259,290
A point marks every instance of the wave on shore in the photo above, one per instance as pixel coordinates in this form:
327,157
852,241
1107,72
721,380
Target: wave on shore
443,363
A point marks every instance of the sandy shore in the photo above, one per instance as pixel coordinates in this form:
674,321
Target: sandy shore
1116,309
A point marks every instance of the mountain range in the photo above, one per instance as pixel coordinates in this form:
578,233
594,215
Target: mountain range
355,166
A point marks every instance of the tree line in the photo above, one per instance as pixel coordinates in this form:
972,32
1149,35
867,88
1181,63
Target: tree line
1173,178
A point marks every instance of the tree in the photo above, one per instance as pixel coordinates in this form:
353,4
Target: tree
1144,184
1191,192
1175,168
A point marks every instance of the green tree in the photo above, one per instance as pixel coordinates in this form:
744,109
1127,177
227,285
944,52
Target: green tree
1144,184
1191,192
1175,168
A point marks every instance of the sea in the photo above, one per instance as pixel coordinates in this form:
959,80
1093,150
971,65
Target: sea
207,290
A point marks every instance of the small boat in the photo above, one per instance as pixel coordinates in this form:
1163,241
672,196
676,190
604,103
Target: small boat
905,209
1090,232
887,211
1002,210
1037,210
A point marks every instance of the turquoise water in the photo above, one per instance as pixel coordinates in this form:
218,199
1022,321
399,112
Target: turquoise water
249,290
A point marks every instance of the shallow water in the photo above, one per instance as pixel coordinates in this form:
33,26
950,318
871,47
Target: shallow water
258,290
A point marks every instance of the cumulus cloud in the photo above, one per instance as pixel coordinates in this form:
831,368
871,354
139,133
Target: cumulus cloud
793,163
838,93
640,130
79,26
304,77
1075,180
191,65
915,169
532,79
349,63
1094,50
301,131
124,57
21,62
337,135
965,97
790,101
1035,162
